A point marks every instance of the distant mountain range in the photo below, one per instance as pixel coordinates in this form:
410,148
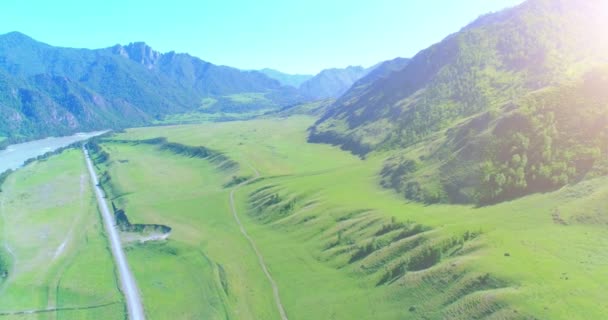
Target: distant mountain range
497,57
467,119
332,83
293,80
466,112
47,90
327,84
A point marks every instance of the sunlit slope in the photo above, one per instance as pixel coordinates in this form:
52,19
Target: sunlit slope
338,245
53,241
538,143
205,270
487,64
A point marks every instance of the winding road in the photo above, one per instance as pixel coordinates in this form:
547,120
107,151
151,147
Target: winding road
135,308
275,288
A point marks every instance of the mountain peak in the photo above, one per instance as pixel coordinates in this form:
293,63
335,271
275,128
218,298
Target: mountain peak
16,36
332,83
139,52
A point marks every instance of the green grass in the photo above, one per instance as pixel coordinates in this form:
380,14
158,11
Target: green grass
245,102
164,270
200,117
524,263
227,108
186,194
59,256
247,97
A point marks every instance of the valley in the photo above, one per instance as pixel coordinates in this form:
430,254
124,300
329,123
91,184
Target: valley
466,181
309,218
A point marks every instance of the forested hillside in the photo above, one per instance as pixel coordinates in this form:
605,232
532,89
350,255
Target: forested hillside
46,90
538,143
332,83
494,77
498,57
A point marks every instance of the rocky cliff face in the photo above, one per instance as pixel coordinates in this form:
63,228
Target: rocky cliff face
139,52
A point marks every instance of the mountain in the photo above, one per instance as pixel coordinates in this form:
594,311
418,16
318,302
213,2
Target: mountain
204,77
48,90
293,80
381,70
481,83
331,83
537,143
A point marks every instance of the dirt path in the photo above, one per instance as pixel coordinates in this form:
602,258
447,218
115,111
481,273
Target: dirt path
135,308
275,288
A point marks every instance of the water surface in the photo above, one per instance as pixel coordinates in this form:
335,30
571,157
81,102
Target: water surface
15,155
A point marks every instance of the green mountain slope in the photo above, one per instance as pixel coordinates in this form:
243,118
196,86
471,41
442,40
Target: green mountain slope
332,83
540,142
496,58
50,90
488,69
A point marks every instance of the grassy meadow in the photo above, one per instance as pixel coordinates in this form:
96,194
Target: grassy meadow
205,270
53,240
198,117
341,247
337,244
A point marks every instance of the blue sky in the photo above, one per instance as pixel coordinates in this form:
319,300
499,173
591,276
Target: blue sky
302,36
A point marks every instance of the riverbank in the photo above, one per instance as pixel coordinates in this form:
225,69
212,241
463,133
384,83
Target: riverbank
16,155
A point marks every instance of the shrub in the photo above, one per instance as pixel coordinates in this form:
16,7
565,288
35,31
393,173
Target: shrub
426,258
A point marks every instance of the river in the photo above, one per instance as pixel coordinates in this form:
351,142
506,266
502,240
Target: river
15,155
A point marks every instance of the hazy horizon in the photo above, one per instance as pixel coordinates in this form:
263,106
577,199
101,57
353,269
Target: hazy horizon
296,38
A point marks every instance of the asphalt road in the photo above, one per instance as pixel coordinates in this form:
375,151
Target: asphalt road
135,308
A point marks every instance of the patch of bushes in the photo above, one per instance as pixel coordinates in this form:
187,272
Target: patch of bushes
399,174
367,249
202,152
340,239
424,259
410,230
98,155
351,214
3,177
3,267
393,225
396,171
123,223
235,181
393,273
270,206
270,200
287,207
428,256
